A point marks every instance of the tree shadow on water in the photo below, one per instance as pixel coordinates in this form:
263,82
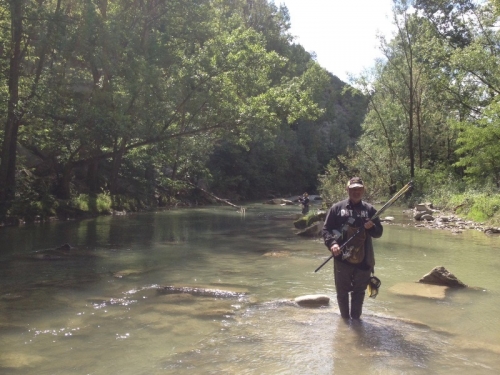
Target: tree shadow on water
385,346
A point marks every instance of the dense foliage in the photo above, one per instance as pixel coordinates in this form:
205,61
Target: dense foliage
125,104
433,109
139,100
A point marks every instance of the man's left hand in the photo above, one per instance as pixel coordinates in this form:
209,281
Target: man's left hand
369,224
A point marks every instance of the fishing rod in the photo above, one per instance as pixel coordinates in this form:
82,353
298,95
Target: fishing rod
398,195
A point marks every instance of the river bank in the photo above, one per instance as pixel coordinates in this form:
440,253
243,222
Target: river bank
426,216
86,206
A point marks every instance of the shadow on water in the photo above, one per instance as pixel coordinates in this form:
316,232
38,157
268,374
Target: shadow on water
387,346
280,338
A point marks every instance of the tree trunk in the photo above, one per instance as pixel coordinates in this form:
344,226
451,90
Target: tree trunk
93,176
114,188
63,189
411,111
9,147
418,113
150,176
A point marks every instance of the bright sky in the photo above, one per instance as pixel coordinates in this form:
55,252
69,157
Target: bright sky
342,33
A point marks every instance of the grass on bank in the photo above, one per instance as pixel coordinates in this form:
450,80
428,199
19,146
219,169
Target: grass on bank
98,204
481,207
478,204
47,206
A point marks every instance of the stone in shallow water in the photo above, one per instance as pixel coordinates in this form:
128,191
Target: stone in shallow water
313,300
441,276
313,230
201,292
19,360
277,254
419,290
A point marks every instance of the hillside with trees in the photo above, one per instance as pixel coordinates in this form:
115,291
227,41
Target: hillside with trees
129,104
433,109
133,104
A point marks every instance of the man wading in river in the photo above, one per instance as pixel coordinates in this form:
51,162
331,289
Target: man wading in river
353,265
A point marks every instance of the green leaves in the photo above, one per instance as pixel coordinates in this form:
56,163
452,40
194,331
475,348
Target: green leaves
434,101
108,83
478,145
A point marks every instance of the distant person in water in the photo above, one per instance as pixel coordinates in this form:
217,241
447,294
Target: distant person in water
304,200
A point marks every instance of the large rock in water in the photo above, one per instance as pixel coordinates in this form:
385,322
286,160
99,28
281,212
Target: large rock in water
303,222
422,209
313,230
313,300
441,276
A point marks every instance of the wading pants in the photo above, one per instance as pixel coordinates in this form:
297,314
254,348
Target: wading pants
350,279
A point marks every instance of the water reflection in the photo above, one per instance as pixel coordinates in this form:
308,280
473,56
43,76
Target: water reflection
98,310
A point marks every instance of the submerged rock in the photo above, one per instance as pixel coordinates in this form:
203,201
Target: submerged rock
313,230
18,361
132,272
277,254
125,273
313,300
419,290
304,221
203,292
441,276
490,230
60,252
300,223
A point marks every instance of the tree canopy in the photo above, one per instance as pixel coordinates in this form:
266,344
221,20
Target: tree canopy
433,100
144,100
132,98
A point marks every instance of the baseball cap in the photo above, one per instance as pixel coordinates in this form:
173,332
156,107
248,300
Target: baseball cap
355,182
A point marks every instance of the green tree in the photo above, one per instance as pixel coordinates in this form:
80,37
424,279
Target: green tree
478,146
16,11
406,129
464,50
391,146
125,78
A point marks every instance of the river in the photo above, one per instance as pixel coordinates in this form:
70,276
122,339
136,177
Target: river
97,310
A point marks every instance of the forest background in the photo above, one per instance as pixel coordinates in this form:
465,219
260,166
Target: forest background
128,104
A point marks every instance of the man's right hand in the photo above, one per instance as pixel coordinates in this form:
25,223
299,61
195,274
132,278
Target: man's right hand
335,249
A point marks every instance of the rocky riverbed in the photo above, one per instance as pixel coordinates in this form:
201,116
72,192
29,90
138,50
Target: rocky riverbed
428,217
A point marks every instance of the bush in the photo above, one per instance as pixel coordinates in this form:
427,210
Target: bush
103,203
80,202
33,210
123,203
98,204
481,207
33,200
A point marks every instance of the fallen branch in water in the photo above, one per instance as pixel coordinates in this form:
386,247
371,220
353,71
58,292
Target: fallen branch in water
242,209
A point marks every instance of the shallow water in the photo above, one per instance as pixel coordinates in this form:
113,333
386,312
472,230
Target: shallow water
98,311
